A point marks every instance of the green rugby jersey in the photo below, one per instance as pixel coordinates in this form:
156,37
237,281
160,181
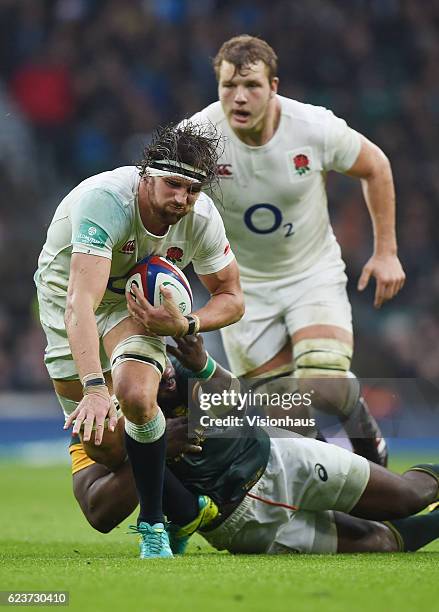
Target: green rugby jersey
227,467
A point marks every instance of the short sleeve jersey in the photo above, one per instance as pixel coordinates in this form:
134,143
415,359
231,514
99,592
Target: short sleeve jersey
101,217
272,198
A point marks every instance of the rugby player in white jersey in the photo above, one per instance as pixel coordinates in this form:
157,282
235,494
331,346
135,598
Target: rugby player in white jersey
273,201
98,233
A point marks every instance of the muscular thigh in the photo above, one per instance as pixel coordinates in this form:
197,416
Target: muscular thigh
356,535
137,363
124,329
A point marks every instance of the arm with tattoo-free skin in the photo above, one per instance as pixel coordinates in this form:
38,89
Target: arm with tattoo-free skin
373,169
87,282
191,353
225,306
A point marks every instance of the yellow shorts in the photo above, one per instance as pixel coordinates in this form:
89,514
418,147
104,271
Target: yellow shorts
80,459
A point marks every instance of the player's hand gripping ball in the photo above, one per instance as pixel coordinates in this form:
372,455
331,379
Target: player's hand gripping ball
151,273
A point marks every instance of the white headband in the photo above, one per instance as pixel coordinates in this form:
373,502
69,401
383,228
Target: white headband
154,172
167,167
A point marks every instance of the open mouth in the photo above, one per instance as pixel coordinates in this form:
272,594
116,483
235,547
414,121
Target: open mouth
241,115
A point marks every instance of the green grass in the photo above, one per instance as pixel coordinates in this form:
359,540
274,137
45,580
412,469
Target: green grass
45,544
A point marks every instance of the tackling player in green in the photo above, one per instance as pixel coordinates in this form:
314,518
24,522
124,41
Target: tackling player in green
267,494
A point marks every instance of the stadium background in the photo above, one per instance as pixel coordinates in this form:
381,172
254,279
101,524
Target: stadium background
83,83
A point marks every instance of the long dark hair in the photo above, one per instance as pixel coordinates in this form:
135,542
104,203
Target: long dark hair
186,142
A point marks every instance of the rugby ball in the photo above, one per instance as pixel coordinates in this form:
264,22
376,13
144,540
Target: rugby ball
152,272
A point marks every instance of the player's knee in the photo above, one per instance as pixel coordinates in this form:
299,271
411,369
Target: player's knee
134,398
95,513
379,538
362,535
98,520
321,357
137,397
288,401
322,368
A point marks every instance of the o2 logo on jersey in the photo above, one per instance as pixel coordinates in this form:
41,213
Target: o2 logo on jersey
274,218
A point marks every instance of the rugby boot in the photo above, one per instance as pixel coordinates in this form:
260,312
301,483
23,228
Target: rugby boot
179,536
365,435
153,540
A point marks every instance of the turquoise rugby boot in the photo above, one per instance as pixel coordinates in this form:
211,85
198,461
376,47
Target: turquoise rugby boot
179,536
153,541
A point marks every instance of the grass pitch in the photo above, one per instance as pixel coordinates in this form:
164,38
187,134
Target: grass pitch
45,544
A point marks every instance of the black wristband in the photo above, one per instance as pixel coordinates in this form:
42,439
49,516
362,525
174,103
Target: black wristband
192,325
94,382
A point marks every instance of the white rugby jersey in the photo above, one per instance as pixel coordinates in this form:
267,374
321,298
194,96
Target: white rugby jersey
101,217
272,198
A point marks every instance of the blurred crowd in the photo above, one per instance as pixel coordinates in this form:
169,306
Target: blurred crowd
83,83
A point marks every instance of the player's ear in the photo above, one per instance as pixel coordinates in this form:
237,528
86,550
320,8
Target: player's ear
274,84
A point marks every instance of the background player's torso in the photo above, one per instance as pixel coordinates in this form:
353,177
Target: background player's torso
272,198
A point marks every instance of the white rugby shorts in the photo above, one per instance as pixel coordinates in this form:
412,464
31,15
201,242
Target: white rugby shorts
276,309
313,476
58,357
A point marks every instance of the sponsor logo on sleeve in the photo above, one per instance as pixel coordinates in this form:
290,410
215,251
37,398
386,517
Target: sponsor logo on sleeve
91,235
227,249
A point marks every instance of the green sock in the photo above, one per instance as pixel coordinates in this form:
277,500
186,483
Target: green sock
414,532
